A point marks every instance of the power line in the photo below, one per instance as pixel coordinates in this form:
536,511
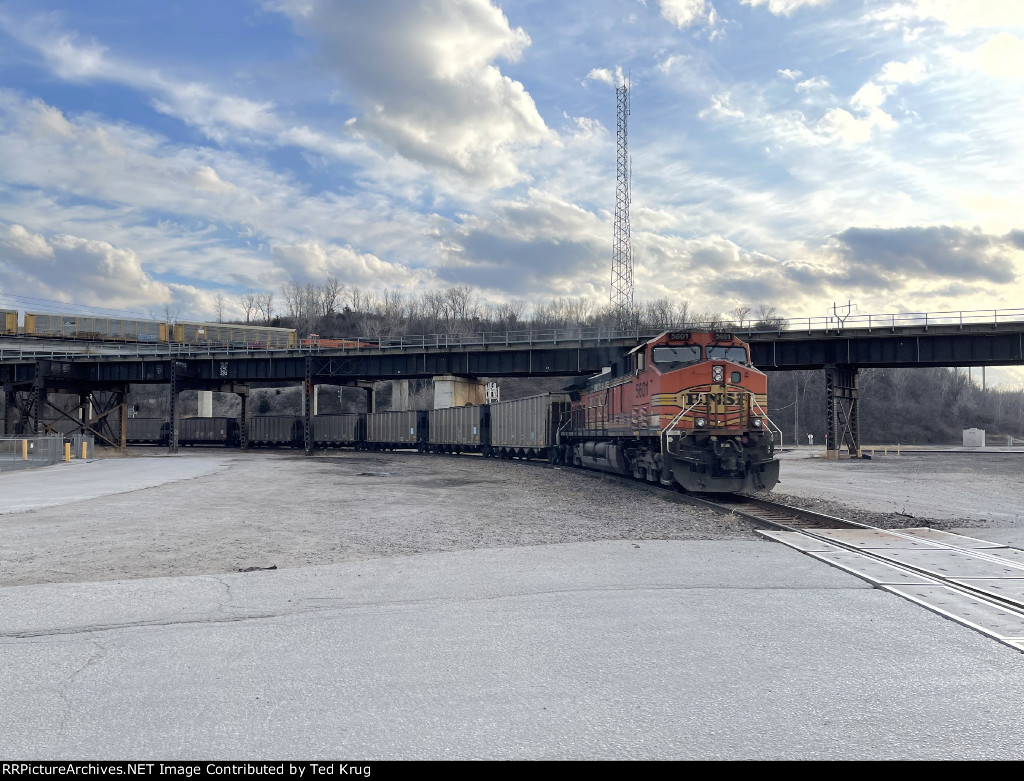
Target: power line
62,307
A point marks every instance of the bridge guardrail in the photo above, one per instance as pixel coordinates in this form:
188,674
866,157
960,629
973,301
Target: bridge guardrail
544,336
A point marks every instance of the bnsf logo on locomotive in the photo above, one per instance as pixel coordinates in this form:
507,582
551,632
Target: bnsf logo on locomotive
717,398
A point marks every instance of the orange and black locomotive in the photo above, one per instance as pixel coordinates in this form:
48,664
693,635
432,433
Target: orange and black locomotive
685,407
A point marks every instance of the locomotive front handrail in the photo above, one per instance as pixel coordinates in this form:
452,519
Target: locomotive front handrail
764,414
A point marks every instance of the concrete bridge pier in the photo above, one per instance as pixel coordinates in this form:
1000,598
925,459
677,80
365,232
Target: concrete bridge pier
842,407
400,395
452,391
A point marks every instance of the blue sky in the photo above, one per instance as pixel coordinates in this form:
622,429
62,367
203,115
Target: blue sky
788,152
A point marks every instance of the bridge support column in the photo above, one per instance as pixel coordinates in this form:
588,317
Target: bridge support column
243,421
842,408
452,391
308,400
172,433
400,395
38,403
122,427
367,387
7,421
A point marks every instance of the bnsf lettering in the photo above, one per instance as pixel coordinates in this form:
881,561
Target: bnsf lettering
641,389
718,398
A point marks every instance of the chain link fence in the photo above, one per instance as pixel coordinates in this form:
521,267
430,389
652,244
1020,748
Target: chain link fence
28,452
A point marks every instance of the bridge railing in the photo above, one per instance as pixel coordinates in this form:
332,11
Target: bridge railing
536,336
891,321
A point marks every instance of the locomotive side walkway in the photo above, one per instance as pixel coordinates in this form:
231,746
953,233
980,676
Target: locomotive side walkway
619,648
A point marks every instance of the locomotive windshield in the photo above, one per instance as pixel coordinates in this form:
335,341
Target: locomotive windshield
731,354
669,358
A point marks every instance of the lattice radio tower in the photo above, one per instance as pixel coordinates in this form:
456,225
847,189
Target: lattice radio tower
621,295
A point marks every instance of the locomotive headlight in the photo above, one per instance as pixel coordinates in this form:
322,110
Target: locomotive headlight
717,373
756,422
700,422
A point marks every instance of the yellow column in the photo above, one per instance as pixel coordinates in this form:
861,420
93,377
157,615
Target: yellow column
67,451
24,450
84,445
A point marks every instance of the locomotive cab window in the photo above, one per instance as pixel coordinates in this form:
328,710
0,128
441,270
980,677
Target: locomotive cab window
669,358
725,353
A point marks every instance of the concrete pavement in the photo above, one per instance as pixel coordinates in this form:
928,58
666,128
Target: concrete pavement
598,650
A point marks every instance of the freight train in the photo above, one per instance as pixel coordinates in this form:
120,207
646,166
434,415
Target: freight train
685,408
69,326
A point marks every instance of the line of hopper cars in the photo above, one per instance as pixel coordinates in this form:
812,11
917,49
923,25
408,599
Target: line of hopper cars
70,326
524,428
684,408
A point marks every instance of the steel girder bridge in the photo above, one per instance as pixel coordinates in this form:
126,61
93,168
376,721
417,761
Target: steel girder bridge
101,378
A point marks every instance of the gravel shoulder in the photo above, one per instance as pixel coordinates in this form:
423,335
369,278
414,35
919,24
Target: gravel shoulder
937,489
270,509
215,511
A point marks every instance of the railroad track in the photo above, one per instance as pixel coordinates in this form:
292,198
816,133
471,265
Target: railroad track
974,582
774,514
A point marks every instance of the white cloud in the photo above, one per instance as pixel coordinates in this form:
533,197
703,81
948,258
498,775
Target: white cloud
24,243
813,84
961,15
666,66
722,107
784,7
229,209
220,116
96,272
685,13
841,125
870,96
315,259
913,72
205,178
1001,56
426,76
790,74
605,76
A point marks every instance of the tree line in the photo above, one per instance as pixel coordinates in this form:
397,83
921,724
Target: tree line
332,308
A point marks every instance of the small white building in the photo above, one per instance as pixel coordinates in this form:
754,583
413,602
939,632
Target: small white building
974,437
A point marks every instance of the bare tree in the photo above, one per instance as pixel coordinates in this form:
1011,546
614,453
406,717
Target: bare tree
768,318
740,313
248,301
265,306
219,303
331,291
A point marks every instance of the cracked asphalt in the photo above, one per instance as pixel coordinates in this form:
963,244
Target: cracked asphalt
455,609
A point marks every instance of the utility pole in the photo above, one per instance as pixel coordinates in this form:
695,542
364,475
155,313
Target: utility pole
621,295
